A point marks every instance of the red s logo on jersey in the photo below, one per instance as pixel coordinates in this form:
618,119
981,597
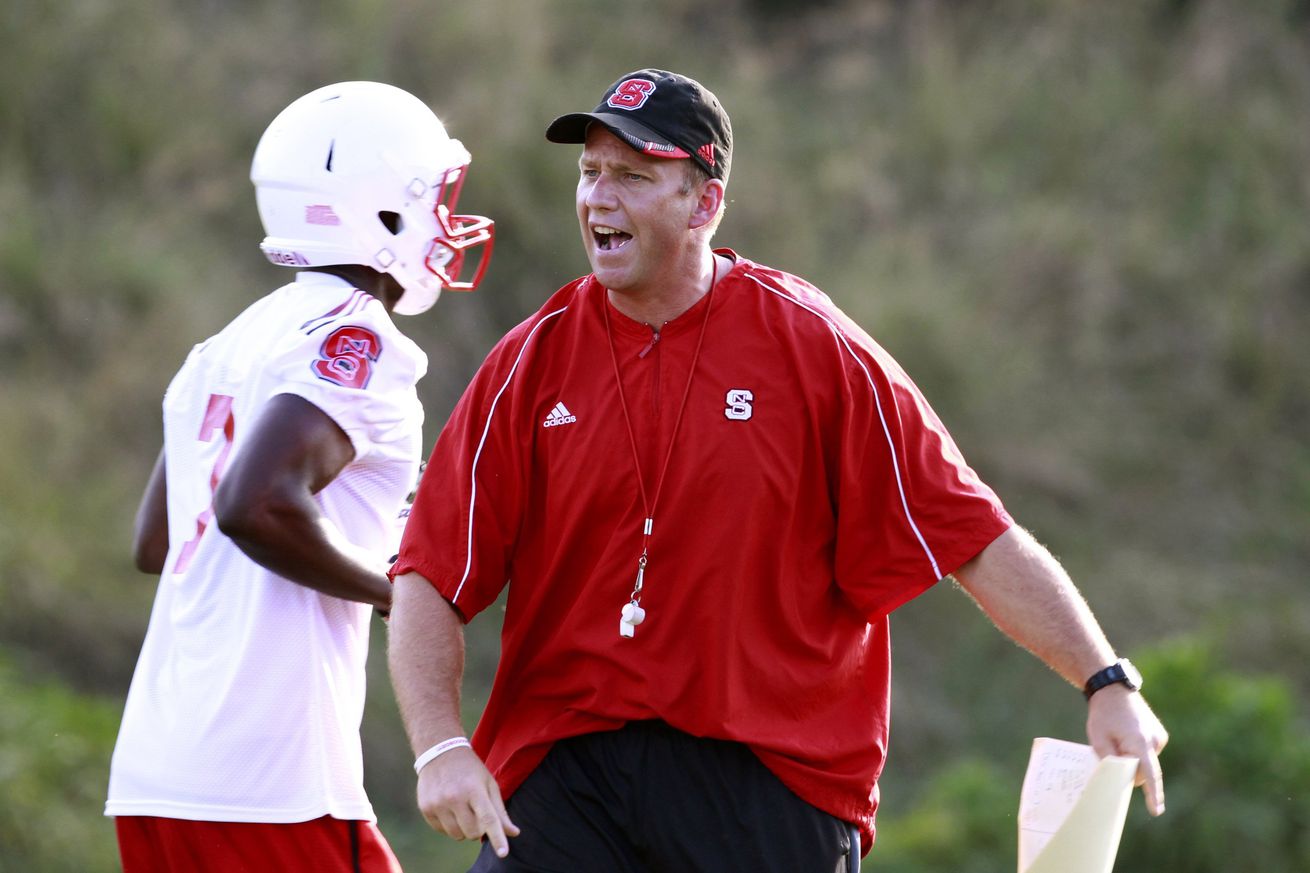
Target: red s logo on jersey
347,356
631,94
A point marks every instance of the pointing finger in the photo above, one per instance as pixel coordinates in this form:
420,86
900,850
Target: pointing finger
499,805
1151,778
490,824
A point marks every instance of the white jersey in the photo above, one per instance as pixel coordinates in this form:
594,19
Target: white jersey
248,695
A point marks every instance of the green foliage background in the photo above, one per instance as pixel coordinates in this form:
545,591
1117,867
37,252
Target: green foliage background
1082,227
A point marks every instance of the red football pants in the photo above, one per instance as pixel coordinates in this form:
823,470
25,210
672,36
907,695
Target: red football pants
148,844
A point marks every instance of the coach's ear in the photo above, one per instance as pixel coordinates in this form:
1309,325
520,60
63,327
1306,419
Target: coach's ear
708,204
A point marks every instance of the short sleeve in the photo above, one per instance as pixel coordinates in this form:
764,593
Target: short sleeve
465,519
361,371
911,510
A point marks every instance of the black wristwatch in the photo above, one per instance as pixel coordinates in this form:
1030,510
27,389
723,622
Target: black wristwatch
1121,671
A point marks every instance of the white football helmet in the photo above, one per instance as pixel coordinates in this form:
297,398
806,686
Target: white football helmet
364,173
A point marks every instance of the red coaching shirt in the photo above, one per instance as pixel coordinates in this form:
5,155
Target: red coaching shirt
810,491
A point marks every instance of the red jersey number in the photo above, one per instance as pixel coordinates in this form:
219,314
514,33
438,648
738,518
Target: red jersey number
218,419
347,356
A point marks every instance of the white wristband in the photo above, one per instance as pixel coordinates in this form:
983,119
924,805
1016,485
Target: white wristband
440,749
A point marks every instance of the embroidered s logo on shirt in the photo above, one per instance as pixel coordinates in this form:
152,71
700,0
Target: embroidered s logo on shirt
739,405
559,415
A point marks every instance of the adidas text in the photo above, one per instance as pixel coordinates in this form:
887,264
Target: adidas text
559,415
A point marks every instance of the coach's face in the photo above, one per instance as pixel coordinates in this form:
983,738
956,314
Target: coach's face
636,214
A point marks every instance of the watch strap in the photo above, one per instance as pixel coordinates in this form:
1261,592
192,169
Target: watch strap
1120,672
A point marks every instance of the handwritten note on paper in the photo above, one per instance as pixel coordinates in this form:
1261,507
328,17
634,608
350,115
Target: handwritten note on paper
1072,808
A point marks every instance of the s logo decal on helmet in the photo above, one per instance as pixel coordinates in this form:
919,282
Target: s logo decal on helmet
365,173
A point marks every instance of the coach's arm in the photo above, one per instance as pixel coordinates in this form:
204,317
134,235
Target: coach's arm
425,649
1029,596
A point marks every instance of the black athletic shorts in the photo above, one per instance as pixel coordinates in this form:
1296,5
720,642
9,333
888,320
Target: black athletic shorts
651,799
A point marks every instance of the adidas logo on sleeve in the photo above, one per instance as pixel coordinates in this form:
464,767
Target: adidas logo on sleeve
558,416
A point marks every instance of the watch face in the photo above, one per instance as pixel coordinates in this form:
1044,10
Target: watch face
1130,673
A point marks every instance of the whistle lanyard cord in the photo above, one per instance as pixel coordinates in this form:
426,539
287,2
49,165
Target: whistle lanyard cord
649,506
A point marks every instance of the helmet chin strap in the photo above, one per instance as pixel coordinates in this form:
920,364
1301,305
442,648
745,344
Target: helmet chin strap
416,299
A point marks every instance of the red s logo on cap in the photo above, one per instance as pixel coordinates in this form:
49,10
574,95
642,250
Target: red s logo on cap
631,94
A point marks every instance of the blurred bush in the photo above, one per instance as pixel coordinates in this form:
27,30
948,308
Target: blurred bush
1236,770
53,747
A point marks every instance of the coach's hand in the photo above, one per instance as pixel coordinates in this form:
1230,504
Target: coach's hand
1119,722
460,798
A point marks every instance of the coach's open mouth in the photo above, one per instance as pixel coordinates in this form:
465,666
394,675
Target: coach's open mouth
609,238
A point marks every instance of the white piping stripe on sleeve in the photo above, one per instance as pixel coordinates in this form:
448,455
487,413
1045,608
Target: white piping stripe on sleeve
896,467
473,476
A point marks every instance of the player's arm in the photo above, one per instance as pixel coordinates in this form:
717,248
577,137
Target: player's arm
425,650
1026,592
150,532
265,504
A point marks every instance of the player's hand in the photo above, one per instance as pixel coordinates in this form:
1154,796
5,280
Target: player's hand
1119,722
460,798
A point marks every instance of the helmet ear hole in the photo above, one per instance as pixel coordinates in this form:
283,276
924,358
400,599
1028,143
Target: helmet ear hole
391,221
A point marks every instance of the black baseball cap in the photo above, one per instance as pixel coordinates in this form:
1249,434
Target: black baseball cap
658,113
